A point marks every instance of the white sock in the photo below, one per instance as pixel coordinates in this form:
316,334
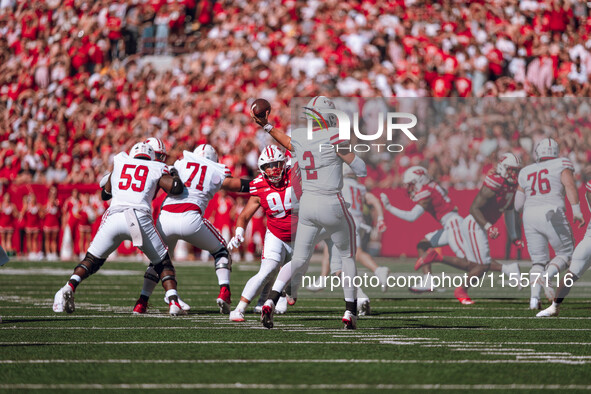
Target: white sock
242,306
77,278
283,277
223,275
255,284
149,284
349,274
170,293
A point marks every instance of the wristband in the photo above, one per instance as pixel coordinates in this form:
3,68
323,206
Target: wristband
268,127
487,226
576,210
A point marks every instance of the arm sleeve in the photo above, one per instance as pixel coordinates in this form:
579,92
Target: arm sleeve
519,200
358,166
409,216
510,223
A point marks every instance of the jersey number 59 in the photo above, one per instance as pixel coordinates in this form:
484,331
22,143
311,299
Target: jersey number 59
137,181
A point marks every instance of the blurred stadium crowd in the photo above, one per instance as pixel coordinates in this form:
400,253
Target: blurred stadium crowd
77,83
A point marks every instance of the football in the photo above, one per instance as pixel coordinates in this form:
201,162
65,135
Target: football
260,106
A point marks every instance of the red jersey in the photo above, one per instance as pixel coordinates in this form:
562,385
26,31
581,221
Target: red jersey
52,214
504,197
7,216
440,202
276,201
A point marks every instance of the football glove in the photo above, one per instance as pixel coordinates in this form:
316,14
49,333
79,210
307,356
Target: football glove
237,240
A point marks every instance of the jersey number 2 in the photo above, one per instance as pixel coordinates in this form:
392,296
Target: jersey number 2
543,182
310,174
140,174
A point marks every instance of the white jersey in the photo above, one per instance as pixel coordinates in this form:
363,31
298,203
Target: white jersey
134,182
202,179
321,167
542,185
354,194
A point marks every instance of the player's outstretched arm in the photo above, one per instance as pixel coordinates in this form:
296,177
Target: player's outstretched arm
355,162
568,180
519,199
247,213
373,202
172,184
105,184
236,185
282,138
484,195
409,216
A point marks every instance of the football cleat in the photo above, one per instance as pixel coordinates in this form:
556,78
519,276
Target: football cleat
382,273
551,311
58,300
431,255
281,306
426,285
258,308
363,308
68,292
224,300
534,304
267,313
291,301
140,307
462,295
349,320
237,315
183,304
174,309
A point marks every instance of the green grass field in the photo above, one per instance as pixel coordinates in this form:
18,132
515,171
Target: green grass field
407,344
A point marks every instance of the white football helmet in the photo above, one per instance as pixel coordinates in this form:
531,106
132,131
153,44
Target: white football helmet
546,149
314,111
272,163
207,151
141,150
159,148
415,178
508,167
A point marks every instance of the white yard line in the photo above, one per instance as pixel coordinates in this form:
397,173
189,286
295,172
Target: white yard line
245,386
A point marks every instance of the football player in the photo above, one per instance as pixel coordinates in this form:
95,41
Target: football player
132,186
580,263
357,196
272,190
322,206
496,196
541,191
430,197
181,217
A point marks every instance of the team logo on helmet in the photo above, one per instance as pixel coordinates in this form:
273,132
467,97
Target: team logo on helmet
415,178
272,163
508,167
159,148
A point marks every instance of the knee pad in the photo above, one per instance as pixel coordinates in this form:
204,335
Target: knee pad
165,264
424,245
151,274
560,262
169,277
222,259
537,268
91,263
